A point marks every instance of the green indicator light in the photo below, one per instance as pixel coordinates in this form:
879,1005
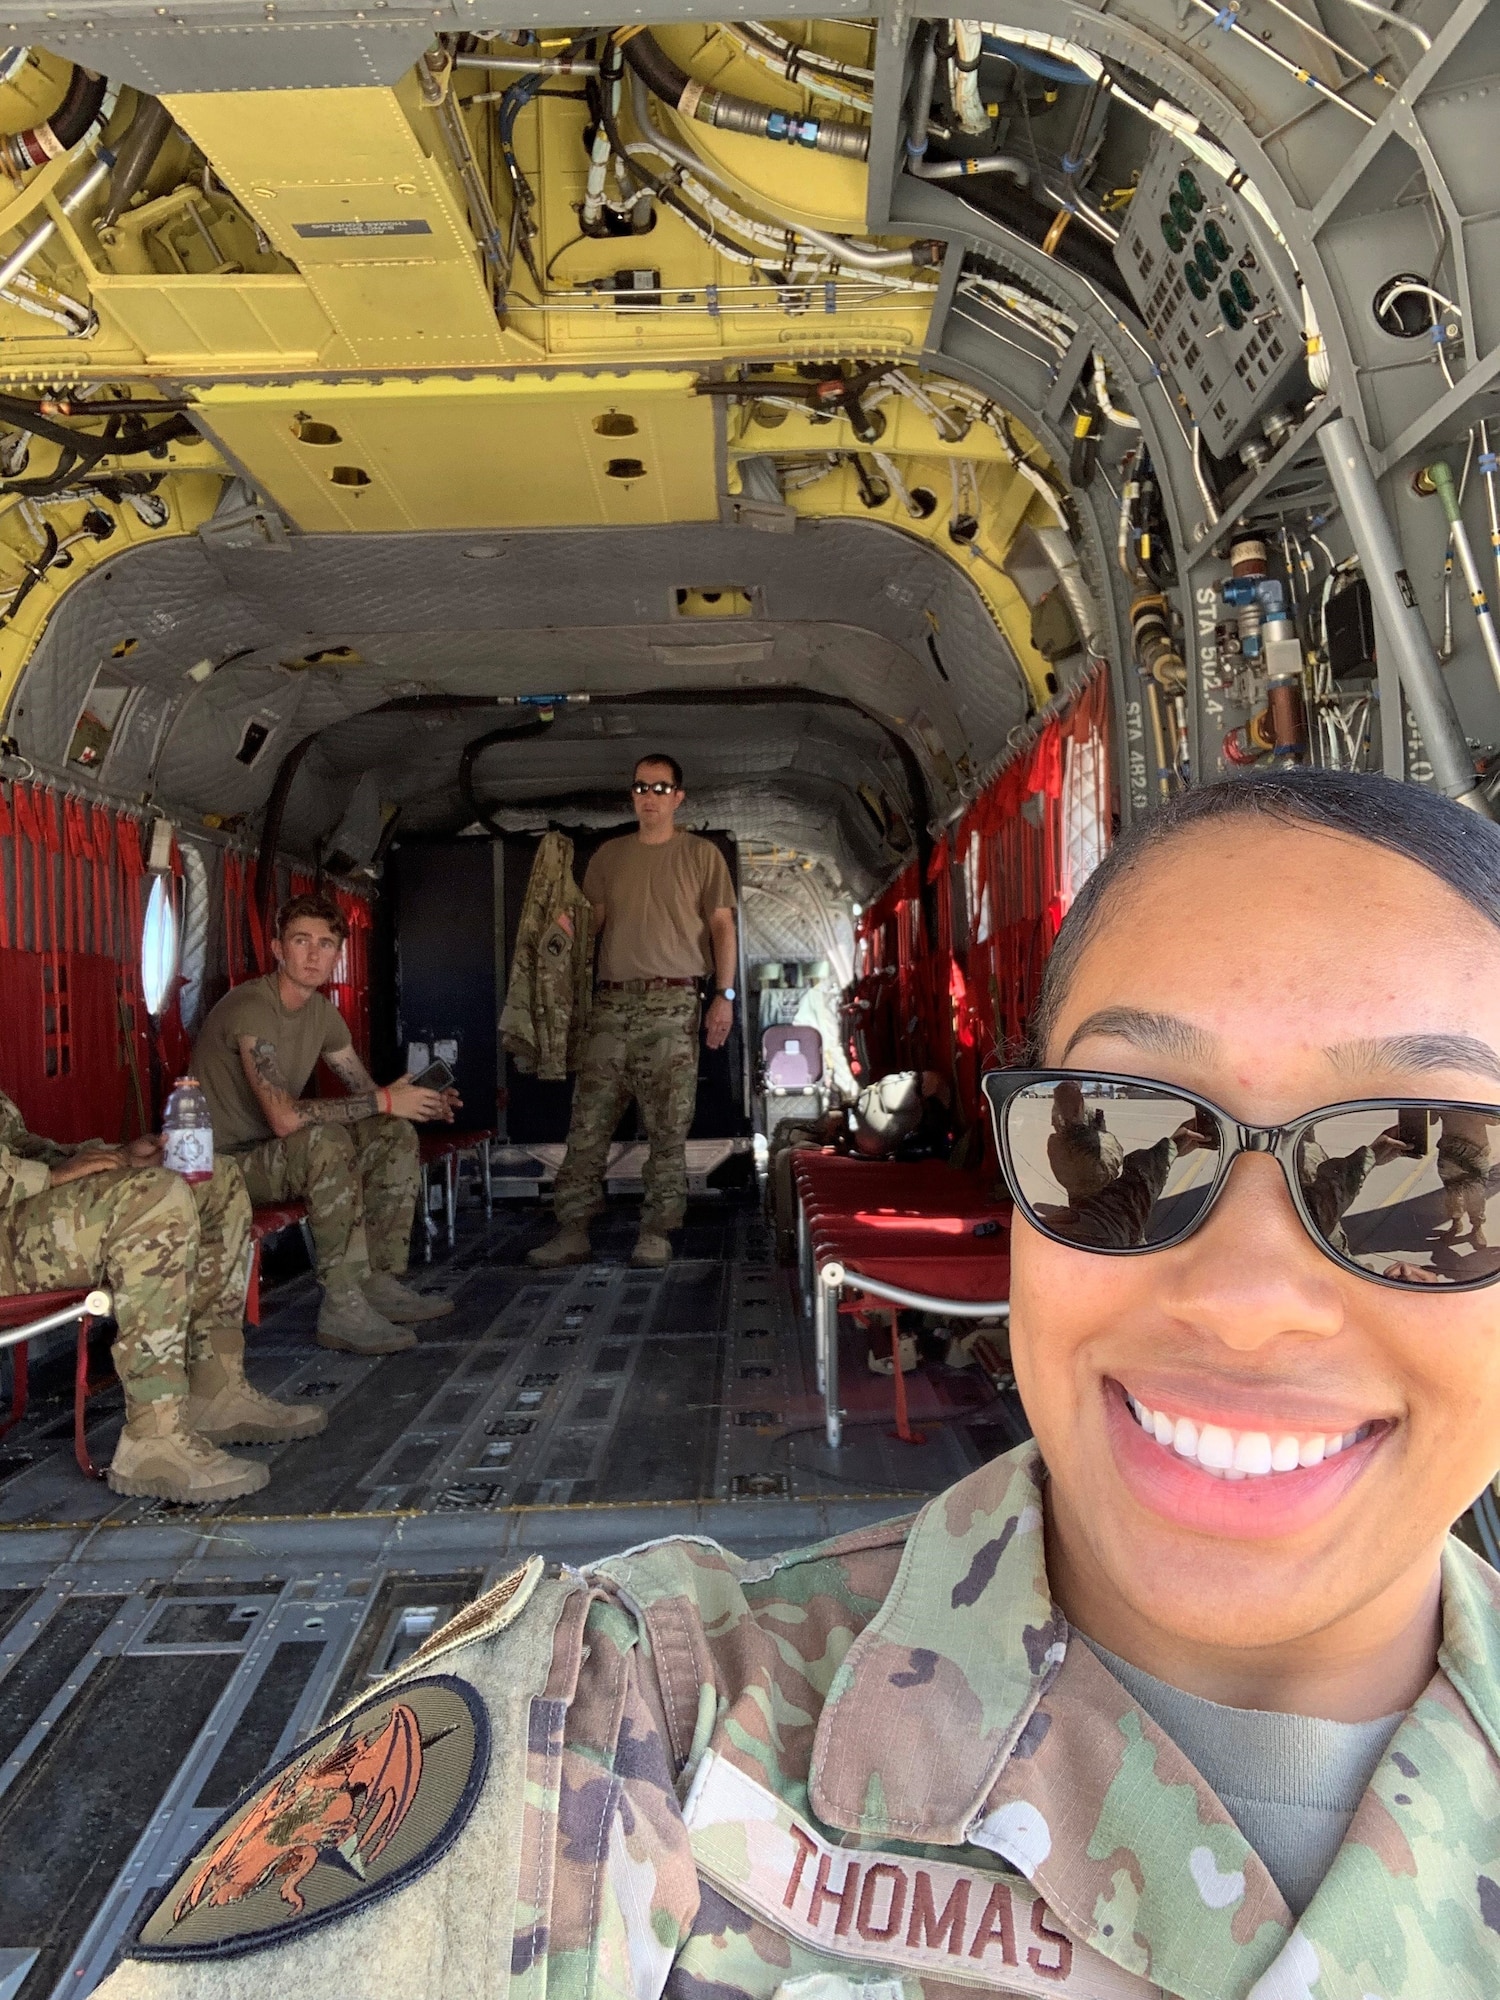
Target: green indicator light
1239,284
1232,314
1195,282
1191,193
1171,234
1217,241
1182,215
1207,263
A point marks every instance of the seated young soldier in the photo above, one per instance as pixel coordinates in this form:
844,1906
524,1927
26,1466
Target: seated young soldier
176,1256
352,1159
1194,1695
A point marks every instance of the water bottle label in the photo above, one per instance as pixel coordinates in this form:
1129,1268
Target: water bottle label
189,1151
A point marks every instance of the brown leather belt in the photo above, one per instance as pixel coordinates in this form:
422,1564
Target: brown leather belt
641,985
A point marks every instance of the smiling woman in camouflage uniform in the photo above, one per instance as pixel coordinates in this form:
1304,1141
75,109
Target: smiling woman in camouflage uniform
1205,1706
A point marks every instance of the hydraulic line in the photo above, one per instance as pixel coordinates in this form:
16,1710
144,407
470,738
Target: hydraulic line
71,121
1400,620
135,156
738,114
591,215
857,256
537,66
963,78
17,261
1438,478
1489,466
797,66
508,732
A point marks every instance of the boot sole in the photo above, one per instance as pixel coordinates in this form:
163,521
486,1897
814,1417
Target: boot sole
161,1489
416,1318
264,1434
342,1346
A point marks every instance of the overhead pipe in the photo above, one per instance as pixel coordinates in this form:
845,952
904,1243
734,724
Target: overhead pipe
918,257
1400,621
1438,478
18,259
738,114
71,121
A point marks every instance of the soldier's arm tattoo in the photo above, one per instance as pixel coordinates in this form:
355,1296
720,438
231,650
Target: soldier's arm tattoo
286,1113
350,1071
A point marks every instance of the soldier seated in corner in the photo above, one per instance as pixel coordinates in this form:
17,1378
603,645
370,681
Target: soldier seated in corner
1192,1695
176,1256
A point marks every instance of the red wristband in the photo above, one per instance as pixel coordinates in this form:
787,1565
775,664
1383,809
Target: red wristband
385,1106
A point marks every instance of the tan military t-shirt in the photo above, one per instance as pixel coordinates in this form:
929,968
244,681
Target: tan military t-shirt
316,1029
657,902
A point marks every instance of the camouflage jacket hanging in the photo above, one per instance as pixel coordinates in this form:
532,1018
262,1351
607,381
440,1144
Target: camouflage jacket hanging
548,996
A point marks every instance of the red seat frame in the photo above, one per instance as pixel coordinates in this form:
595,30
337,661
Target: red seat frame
16,1310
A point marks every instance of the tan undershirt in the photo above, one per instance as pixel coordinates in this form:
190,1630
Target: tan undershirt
299,1038
657,903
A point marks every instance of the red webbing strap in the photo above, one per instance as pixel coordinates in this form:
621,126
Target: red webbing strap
28,842
7,832
106,937
234,916
79,868
257,935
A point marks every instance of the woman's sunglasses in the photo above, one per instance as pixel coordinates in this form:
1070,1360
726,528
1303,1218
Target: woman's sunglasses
1401,1190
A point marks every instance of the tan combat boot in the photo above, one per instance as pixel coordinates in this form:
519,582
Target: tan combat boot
398,1303
223,1408
569,1246
350,1324
652,1251
158,1458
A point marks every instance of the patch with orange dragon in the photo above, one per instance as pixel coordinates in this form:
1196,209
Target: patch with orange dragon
364,1807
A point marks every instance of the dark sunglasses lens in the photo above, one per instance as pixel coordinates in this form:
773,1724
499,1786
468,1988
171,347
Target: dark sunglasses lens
660,790
1108,1165
1406,1192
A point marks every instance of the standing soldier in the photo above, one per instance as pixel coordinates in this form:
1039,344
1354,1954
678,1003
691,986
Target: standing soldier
176,1258
665,906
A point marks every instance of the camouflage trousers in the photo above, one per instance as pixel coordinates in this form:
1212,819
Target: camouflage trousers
360,1183
641,1045
175,1256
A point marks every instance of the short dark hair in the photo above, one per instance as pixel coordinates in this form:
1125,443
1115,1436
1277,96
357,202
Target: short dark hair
661,757
314,905
1461,848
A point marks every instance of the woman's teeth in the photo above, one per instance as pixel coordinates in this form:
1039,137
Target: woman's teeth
1241,1454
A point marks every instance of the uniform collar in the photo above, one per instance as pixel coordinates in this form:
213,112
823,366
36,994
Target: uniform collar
960,1716
968,1634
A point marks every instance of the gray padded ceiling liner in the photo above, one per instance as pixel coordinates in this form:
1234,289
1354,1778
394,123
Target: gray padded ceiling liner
853,608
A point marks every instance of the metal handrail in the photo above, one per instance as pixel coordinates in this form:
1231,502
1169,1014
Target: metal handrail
837,1274
96,1305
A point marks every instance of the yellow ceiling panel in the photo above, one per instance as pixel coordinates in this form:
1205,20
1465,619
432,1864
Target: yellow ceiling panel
444,454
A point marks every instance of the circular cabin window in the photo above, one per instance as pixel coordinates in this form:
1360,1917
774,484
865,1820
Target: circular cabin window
161,945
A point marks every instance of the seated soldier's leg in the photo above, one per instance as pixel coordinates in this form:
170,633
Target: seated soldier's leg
318,1164
137,1232
600,1095
221,1405
390,1169
663,1069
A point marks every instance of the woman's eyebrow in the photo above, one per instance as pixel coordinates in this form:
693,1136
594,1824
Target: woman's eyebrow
1157,1034
1417,1052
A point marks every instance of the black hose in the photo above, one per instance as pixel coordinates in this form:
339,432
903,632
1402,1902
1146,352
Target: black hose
35,571
508,732
135,156
60,134
656,68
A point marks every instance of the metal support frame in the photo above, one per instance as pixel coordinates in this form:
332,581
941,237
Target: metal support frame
832,1277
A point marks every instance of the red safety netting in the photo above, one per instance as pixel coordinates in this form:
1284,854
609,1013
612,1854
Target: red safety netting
79,1052
998,889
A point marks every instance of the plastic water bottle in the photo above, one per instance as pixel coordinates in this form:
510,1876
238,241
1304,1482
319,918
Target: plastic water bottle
187,1132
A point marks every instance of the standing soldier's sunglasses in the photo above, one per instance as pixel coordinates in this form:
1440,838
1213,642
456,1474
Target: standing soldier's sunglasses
662,787
1401,1190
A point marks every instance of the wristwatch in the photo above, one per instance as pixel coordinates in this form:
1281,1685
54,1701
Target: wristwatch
725,993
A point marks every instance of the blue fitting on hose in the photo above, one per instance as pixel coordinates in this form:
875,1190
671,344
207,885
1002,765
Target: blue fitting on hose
1050,68
1488,462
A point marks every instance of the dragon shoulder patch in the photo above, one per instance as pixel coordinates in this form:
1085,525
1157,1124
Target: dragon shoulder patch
367,1805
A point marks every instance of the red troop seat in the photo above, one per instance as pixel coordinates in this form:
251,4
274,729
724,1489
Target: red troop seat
270,1219
918,1227
445,1148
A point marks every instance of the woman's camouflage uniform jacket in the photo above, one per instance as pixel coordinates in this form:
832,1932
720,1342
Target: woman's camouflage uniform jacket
876,1770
